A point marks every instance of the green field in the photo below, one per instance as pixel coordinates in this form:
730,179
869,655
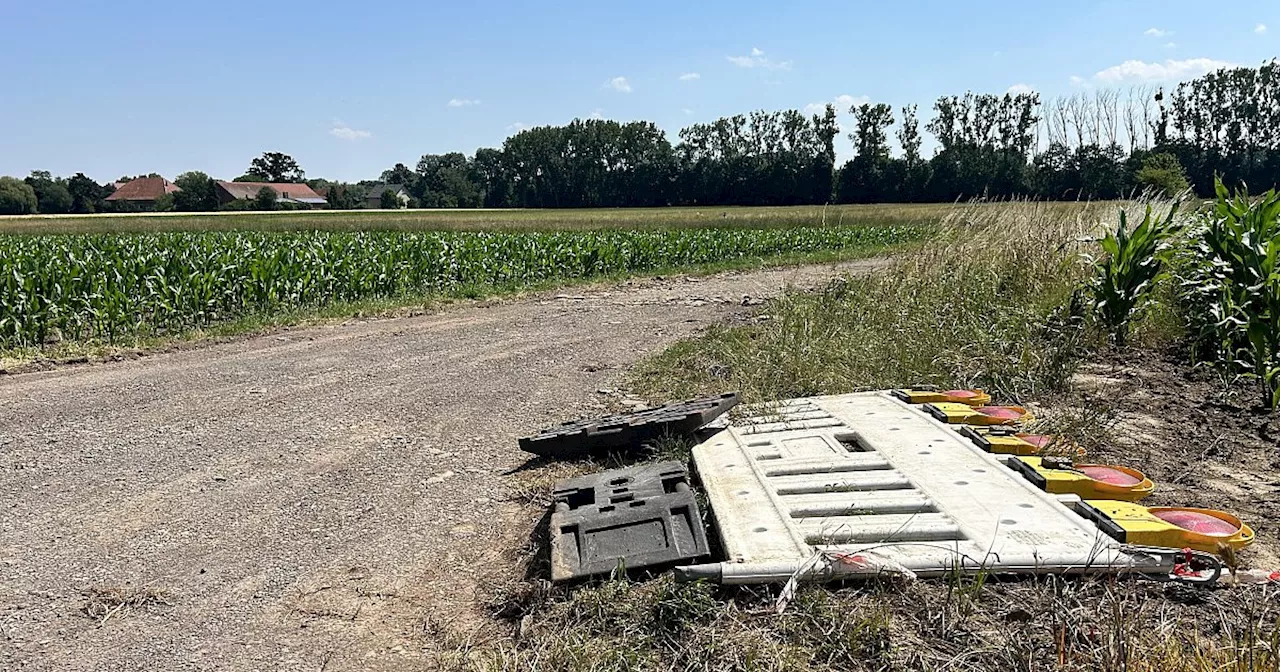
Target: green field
121,287
484,220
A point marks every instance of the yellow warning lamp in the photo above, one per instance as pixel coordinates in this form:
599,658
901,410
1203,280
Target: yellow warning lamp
963,414
1005,440
925,395
1168,527
1060,476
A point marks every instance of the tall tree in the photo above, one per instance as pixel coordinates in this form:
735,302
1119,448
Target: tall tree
399,174
489,168
909,135
388,200
86,194
16,197
870,137
865,178
198,192
266,199
275,167
51,194
342,196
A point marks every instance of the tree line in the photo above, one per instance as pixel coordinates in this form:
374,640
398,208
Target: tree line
1098,145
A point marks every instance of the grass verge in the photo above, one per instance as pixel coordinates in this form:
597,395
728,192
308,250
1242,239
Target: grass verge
989,302
1045,623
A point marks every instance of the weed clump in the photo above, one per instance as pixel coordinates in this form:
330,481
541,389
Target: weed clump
103,603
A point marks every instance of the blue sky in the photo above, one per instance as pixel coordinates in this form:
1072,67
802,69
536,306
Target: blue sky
132,87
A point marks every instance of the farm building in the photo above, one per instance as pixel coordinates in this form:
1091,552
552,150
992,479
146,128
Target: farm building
143,192
297,193
373,195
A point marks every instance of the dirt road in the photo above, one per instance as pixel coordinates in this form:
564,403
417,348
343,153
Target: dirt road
304,500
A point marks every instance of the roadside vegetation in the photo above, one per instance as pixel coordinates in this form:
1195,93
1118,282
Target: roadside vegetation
1014,301
119,288
992,301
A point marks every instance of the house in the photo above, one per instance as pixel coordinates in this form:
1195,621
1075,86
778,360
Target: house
143,191
373,195
290,192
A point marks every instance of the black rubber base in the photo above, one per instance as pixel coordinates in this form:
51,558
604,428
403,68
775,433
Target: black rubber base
643,516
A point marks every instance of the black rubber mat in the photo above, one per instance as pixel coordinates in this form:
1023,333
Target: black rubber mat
627,431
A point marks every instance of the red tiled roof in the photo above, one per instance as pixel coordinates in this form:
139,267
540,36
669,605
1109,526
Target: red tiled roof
144,189
283,189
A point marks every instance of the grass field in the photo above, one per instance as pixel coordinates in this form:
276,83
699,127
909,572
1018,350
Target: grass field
484,220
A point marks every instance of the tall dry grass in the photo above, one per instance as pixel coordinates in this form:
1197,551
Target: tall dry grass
991,302
1043,623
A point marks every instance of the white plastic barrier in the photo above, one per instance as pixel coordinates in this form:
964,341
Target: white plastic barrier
867,475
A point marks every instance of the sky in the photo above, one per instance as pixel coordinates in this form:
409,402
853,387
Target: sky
132,87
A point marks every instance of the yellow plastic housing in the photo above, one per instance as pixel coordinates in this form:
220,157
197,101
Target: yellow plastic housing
1141,526
966,397
963,414
1075,481
1004,440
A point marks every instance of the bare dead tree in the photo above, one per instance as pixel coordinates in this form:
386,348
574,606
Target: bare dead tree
1132,118
1149,115
1076,118
1106,103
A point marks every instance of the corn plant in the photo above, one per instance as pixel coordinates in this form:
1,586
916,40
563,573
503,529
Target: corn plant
111,287
1233,293
1133,262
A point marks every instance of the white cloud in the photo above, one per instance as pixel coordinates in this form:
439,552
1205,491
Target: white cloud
1170,45
757,59
1260,28
597,114
462,102
516,127
997,54
686,110
841,102
344,132
1020,88
1077,80
1157,32
1168,71
619,84
690,76
846,101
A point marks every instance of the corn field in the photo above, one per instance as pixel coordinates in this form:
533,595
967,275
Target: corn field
109,287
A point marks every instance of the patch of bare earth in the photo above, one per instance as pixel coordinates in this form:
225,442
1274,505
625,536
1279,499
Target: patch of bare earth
1204,444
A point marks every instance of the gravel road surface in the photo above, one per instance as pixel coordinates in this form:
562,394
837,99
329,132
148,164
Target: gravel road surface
304,500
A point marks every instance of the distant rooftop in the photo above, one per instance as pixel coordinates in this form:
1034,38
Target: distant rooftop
144,189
